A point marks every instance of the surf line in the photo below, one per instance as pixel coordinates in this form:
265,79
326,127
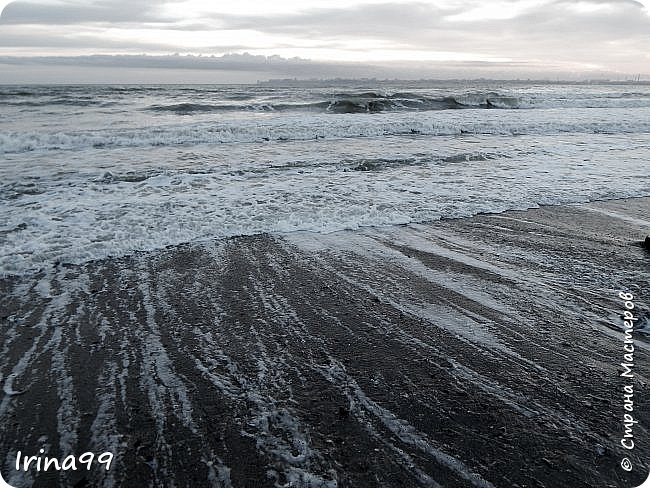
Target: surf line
627,441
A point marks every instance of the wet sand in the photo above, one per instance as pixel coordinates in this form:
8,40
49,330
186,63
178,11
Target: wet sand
477,352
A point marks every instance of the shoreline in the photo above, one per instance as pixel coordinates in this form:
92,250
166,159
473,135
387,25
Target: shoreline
206,240
478,351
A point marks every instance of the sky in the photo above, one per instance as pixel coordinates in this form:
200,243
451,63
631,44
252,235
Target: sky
59,40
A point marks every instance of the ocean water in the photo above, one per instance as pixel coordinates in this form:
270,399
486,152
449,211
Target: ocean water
88,172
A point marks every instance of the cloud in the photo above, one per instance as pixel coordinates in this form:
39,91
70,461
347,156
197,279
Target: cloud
243,62
588,34
75,12
385,20
421,24
278,67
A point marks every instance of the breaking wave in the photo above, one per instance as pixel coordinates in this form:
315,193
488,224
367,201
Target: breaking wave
314,127
350,103
187,101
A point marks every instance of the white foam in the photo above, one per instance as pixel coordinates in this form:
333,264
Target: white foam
96,185
301,127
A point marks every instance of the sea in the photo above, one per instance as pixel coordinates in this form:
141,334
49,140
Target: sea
90,172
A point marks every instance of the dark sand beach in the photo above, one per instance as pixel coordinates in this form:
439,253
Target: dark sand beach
477,352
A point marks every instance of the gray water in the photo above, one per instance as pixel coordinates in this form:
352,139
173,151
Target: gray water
95,171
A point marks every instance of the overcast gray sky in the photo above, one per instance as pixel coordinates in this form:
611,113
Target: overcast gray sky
448,37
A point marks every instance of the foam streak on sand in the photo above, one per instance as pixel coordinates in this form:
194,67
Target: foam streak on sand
427,355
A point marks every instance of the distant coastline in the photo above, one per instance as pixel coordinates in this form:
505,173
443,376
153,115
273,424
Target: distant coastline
316,82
